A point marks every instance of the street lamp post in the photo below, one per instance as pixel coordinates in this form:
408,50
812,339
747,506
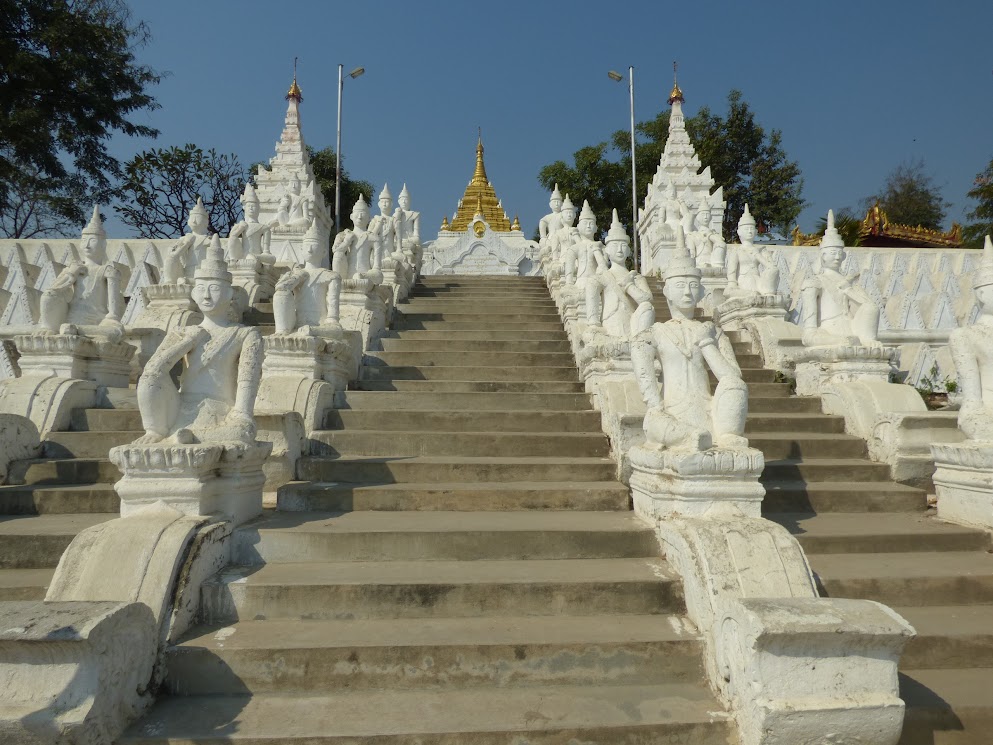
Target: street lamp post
617,77
337,166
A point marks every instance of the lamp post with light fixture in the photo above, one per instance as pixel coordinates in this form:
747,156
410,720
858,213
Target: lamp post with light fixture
617,77
337,167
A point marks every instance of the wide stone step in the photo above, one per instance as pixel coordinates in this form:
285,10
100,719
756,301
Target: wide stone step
908,579
947,707
782,404
38,541
451,335
432,401
86,444
505,346
482,372
835,533
438,653
57,500
456,536
106,420
404,324
798,445
472,386
25,584
471,359
338,443
949,636
763,390
485,296
483,320
465,421
449,469
62,471
824,469
437,589
475,304
839,496
549,495
758,423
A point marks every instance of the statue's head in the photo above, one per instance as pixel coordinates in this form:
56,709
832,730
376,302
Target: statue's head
295,184
555,201
568,213
683,289
212,290
94,241
746,227
314,246
618,245
832,245
587,222
250,203
703,214
199,220
360,214
385,200
404,199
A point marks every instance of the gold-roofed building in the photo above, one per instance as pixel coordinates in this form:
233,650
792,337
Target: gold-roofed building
877,230
480,192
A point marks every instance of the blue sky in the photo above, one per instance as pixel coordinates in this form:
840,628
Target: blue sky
856,87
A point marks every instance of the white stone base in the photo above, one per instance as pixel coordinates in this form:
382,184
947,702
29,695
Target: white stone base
106,363
220,479
816,367
46,400
963,480
717,481
735,312
313,357
365,308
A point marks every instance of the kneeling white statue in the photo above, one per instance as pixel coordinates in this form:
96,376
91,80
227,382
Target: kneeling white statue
307,297
750,270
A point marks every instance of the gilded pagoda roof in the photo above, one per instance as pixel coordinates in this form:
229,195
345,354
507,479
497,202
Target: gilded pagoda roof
479,196
877,230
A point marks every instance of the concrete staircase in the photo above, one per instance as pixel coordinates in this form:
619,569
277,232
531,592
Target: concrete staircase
459,566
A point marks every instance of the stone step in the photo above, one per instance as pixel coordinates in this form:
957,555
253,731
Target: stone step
449,469
753,361
436,335
404,323
57,500
122,398
947,707
762,390
470,359
471,386
838,532
482,320
86,444
455,536
663,714
949,636
105,420
433,401
417,442
909,579
824,469
38,541
782,404
476,280
504,346
465,421
549,495
437,653
484,297
839,496
799,445
25,584
63,471
476,304
758,423
441,589
482,372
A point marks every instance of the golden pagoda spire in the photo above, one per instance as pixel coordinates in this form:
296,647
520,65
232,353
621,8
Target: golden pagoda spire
676,94
479,175
479,197
295,93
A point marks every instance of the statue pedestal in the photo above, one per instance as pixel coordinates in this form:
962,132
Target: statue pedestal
398,276
106,363
717,481
365,307
168,306
714,281
254,277
736,312
963,481
817,367
220,479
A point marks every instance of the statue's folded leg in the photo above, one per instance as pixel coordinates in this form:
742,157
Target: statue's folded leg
674,432
158,402
729,410
54,309
284,310
866,324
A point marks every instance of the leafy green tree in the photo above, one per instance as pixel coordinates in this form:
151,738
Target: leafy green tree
982,192
847,223
744,158
160,188
910,197
323,162
28,213
69,80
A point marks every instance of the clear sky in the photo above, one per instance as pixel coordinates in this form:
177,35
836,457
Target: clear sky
857,87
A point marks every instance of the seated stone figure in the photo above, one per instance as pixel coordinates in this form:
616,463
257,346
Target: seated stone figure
550,222
357,253
87,297
706,245
294,210
972,354
553,254
836,312
222,366
183,256
407,223
750,270
585,256
615,295
251,238
685,416
307,297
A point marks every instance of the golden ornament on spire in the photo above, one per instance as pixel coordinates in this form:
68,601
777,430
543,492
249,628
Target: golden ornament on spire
295,93
479,197
676,94
516,224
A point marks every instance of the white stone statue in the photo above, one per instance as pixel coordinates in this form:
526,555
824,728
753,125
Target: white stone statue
357,252
972,354
250,237
584,257
182,257
750,269
222,366
307,297
295,210
550,222
836,312
684,415
87,297
614,294
706,245
407,223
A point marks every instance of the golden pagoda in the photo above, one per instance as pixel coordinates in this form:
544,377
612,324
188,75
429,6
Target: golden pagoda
479,195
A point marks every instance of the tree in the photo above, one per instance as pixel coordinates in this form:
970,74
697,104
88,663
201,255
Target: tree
848,225
161,187
747,161
323,162
982,192
70,80
26,213
910,197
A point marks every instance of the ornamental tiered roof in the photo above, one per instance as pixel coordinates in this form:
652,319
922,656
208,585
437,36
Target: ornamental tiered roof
479,195
877,230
